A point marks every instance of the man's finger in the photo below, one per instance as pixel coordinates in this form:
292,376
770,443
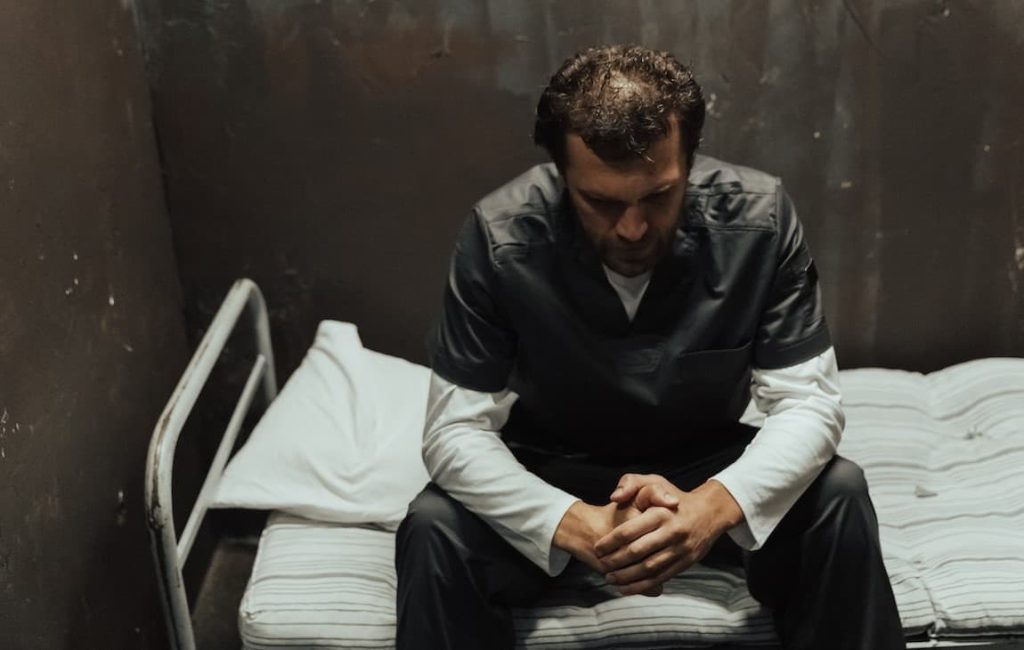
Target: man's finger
647,568
626,489
626,532
655,495
653,592
644,586
633,553
637,550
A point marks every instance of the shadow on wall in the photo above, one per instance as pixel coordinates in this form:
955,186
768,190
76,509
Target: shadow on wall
331,157
951,246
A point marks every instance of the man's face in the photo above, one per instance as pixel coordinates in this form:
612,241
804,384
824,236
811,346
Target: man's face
629,209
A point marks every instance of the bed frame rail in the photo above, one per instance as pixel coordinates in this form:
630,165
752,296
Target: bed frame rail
170,552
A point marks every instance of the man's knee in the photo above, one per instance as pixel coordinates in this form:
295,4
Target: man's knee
431,509
843,480
842,498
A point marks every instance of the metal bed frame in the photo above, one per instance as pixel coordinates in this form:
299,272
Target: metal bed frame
170,552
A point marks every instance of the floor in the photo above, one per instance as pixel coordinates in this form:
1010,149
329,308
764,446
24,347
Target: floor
215,614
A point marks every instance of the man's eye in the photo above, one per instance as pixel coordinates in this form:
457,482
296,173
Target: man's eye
657,196
603,203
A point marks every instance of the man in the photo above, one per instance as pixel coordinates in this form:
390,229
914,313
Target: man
607,319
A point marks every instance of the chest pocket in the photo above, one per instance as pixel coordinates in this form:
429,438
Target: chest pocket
636,359
710,385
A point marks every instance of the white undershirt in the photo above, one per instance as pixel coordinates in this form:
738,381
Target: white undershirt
630,289
798,410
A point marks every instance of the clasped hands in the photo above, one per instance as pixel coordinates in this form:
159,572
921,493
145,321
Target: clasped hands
649,532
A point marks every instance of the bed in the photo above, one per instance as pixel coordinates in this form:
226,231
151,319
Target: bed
942,453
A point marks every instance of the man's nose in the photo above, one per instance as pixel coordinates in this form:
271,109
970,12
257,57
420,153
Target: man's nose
632,225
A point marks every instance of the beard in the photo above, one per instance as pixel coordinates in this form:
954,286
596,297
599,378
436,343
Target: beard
633,258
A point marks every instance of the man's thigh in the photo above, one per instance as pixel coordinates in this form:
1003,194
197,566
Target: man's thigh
840,488
441,534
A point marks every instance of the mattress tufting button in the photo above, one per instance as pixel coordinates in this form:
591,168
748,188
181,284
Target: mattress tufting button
923,492
973,432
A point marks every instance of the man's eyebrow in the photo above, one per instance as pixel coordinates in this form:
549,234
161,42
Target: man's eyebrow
591,194
597,196
661,189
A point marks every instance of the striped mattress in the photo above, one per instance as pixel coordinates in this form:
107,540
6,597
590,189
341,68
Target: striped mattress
942,452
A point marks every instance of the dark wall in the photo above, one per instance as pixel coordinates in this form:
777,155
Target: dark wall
91,330
329,149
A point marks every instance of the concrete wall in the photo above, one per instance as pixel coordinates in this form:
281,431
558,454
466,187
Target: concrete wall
91,330
329,149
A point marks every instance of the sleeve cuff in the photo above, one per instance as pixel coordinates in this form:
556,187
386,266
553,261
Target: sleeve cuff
751,533
783,356
740,533
483,378
557,561
554,560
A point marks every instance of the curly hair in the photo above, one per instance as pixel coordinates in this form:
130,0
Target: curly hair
619,99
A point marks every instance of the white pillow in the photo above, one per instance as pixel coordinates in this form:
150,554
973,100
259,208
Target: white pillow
341,443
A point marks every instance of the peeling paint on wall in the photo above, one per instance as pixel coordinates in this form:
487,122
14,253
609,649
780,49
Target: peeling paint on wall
82,210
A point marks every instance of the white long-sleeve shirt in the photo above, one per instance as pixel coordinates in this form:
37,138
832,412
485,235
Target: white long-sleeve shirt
798,409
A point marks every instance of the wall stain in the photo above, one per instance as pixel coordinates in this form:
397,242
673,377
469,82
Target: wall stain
346,141
76,177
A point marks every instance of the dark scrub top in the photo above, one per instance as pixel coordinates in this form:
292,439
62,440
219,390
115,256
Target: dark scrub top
528,306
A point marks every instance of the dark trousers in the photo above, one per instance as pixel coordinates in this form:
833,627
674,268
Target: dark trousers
820,571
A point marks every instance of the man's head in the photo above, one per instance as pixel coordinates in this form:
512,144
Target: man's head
622,124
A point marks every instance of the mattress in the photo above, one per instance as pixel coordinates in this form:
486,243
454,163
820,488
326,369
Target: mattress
942,453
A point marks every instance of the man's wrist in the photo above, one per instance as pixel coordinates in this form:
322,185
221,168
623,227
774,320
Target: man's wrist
725,509
579,528
570,529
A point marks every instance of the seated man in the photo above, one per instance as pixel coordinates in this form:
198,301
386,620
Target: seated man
606,320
